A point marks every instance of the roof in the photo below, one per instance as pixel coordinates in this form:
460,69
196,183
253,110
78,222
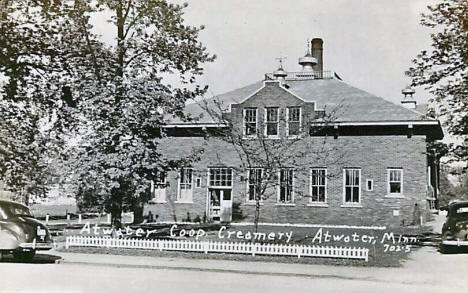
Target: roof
12,203
350,104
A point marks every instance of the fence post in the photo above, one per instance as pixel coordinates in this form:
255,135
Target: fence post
68,219
254,249
67,241
108,219
47,219
79,218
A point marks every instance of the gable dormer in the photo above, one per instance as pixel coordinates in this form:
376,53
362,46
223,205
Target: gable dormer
273,112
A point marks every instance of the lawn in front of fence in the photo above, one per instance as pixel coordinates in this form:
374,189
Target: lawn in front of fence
384,253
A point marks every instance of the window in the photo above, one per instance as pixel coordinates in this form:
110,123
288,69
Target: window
352,185
250,121
198,182
286,184
158,187
220,177
395,182
318,185
370,185
185,185
254,183
271,122
294,121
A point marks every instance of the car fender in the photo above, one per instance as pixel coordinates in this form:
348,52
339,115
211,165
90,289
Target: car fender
8,240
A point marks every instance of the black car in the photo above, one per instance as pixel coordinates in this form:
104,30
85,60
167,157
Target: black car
455,228
20,233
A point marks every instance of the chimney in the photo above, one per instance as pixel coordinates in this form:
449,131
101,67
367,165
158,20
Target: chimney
408,101
317,53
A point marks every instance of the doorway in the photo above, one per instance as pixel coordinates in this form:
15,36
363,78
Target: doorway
220,204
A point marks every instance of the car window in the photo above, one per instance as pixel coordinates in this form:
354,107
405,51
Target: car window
3,215
461,213
20,211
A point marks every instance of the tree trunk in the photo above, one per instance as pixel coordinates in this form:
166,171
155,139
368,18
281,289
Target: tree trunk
257,214
116,209
137,207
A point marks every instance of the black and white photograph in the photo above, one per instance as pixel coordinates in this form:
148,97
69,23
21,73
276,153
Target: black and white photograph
233,146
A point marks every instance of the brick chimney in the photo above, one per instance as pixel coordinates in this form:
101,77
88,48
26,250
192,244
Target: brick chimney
317,53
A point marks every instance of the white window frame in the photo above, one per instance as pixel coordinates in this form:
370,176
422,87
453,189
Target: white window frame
248,200
244,122
158,189
288,109
291,202
265,124
351,203
179,185
220,186
395,194
311,201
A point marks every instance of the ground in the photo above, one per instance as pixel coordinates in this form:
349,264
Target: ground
425,271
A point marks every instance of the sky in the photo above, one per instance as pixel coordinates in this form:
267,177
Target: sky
368,43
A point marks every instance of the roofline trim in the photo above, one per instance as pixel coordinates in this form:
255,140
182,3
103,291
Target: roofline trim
263,86
370,123
195,125
357,123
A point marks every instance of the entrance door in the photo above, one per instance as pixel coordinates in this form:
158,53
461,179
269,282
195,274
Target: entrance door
221,205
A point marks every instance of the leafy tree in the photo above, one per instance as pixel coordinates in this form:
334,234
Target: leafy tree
124,94
29,39
443,69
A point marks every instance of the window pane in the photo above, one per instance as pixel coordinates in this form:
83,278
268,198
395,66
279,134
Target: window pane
294,128
321,194
355,194
348,191
395,187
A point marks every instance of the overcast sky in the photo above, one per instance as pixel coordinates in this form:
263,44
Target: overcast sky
369,43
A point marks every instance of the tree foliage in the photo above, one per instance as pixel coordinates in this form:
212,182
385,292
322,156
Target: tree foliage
28,96
112,99
123,94
443,69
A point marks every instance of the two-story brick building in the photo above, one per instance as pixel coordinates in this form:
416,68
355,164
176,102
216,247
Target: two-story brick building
369,165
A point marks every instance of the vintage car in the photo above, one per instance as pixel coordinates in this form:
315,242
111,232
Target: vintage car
20,233
455,228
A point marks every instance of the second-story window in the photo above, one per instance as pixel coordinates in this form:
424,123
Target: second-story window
294,121
271,122
250,121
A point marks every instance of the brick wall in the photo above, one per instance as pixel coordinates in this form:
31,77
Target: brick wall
372,154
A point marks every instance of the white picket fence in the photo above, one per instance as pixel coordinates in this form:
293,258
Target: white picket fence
227,247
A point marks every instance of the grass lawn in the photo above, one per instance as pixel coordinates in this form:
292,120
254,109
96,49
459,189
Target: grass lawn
385,249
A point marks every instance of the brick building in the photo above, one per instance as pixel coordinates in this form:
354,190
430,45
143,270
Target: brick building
369,165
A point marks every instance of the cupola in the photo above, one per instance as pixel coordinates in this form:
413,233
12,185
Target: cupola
408,100
280,74
308,61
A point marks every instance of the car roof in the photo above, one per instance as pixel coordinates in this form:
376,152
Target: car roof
12,203
458,204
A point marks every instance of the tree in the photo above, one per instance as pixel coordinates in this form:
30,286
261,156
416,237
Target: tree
122,94
282,162
29,46
443,70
